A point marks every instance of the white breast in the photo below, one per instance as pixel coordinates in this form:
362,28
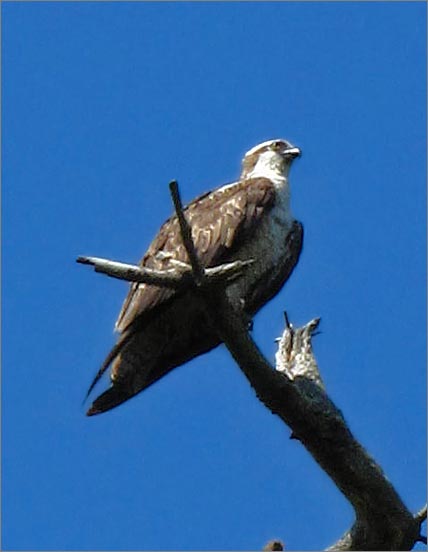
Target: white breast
266,248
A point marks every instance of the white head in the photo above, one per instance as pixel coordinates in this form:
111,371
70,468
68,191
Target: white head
272,159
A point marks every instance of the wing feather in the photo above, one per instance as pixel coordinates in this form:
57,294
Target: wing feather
220,222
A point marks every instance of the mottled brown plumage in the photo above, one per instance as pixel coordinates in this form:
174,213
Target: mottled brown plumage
161,328
220,221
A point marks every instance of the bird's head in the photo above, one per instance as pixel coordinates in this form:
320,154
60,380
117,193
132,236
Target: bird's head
273,156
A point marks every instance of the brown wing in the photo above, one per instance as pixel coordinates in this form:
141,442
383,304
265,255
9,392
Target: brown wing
220,222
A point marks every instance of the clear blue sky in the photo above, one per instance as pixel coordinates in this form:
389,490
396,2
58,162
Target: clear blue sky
103,104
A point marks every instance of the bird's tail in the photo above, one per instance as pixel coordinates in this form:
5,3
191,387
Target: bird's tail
122,341
123,388
114,396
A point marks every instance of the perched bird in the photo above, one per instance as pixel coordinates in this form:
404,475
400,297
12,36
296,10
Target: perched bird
161,328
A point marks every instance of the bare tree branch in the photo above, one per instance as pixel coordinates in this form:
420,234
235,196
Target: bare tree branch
180,277
186,234
296,394
274,545
421,516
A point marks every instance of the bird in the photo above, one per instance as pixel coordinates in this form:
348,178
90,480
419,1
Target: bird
161,328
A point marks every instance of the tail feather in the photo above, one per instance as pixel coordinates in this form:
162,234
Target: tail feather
114,396
123,340
150,348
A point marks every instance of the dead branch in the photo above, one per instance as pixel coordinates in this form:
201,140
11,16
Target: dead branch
296,394
180,277
273,545
421,516
186,234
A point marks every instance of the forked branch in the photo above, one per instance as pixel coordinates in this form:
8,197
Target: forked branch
295,392
180,277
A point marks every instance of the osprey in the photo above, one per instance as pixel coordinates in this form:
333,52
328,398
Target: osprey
161,328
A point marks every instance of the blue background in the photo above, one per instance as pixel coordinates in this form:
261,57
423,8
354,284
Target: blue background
104,104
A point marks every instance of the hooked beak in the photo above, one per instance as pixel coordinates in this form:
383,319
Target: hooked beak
292,152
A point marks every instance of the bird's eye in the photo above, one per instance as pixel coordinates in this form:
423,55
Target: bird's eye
276,145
